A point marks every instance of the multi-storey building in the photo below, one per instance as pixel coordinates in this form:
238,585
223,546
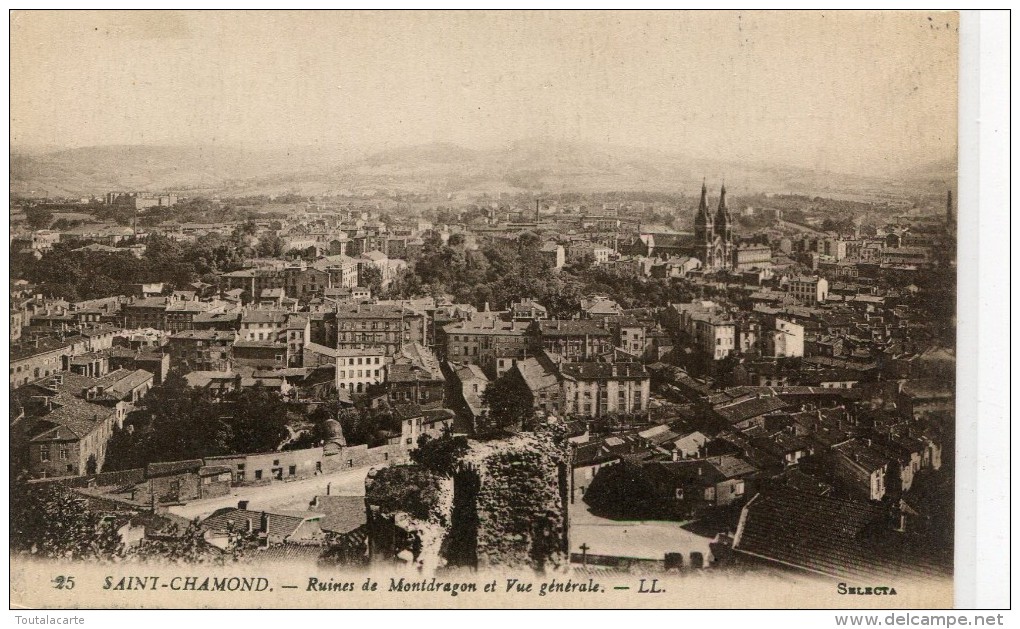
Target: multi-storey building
808,290
415,377
31,360
572,339
201,350
482,338
68,419
707,325
357,368
263,325
785,341
751,256
599,389
148,312
389,326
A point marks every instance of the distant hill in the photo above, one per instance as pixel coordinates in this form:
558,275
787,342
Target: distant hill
534,165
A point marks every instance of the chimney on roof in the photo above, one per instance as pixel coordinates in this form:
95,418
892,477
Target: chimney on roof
264,528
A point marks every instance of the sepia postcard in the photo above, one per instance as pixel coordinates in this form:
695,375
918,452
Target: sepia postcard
482,309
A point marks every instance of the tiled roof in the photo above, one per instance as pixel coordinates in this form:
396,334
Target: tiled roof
535,374
837,538
369,311
120,383
572,327
230,519
750,408
172,467
604,371
264,316
26,349
729,466
343,514
203,335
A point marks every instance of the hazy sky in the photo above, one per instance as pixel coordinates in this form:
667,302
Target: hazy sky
859,92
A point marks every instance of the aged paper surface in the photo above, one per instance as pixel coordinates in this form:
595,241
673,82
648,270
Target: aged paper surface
483,309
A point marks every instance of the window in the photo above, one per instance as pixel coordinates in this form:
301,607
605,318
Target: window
292,470
258,474
44,454
64,453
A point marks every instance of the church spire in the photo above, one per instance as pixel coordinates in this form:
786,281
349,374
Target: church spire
704,197
703,217
722,215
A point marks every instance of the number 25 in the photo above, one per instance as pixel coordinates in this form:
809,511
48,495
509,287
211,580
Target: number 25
63,583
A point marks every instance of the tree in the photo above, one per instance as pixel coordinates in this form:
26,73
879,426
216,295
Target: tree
370,277
38,217
258,420
270,246
441,454
509,404
623,491
51,521
187,547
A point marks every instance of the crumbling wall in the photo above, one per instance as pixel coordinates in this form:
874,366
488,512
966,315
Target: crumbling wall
409,515
505,505
521,512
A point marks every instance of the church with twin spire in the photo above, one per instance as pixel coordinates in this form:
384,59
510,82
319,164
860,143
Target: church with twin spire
713,234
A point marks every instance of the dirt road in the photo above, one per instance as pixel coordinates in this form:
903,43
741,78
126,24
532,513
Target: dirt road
289,496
